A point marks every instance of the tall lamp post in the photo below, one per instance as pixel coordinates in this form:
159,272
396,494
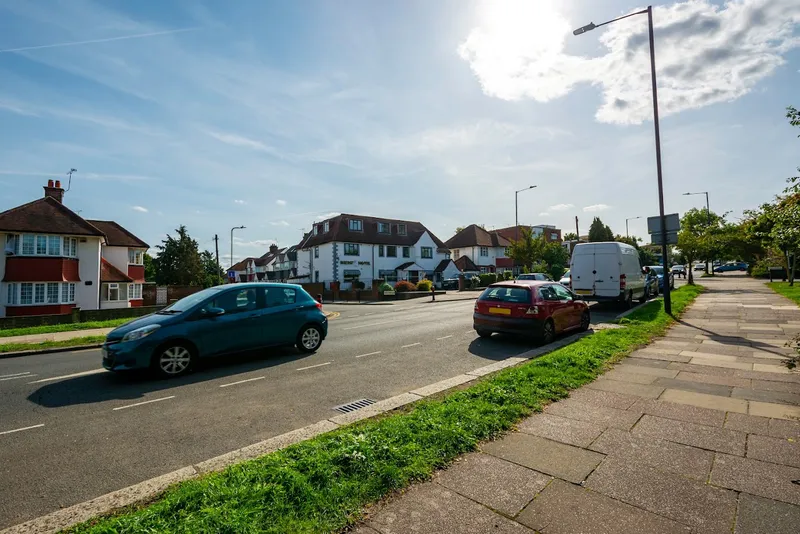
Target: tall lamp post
627,234
232,229
708,214
516,208
649,13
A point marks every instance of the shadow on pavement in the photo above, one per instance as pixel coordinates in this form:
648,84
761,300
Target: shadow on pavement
132,385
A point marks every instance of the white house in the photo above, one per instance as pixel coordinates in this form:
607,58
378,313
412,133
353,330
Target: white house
488,251
347,248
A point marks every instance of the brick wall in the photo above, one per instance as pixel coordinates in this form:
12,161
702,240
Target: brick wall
79,316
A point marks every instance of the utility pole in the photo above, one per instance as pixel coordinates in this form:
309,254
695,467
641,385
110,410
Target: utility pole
216,252
577,232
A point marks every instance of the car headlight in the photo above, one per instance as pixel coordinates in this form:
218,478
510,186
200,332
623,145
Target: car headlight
139,333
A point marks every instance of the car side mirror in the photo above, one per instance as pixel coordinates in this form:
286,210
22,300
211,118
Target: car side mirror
212,312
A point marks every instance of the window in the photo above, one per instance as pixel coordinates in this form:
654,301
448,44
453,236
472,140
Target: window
483,270
38,293
316,252
548,293
113,292
562,293
52,293
41,245
484,251
427,252
505,251
11,298
72,293
447,255
26,293
28,244
316,276
391,251
279,296
12,243
406,252
316,228
381,251
134,291
351,249
65,292
383,228
135,257
401,229
237,301
356,226
70,246
516,295
456,253
554,236
53,245
327,226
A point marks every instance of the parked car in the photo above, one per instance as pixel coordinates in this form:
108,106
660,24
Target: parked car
216,321
679,270
658,271
535,276
731,266
566,280
700,267
607,272
451,283
531,308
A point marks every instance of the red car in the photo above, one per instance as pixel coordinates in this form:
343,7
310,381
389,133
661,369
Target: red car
531,308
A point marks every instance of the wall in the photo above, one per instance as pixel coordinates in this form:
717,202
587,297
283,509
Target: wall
80,316
3,287
86,297
44,309
41,269
117,256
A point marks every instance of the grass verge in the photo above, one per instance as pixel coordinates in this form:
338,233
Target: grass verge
783,288
323,484
69,327
74,342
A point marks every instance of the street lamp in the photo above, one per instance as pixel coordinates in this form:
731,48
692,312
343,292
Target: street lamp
649,12
708,214
232,229
516,208
626,224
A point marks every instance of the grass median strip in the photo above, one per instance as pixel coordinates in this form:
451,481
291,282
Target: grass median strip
74,342
69,327
323,484
790,292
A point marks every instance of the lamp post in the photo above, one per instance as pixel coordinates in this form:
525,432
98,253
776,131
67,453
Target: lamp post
627,234
708,214
232,229
516,209
649,13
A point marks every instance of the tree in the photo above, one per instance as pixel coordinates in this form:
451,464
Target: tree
794,116
179,262
149,268
572,236
538,255
213,276
599,231
459,229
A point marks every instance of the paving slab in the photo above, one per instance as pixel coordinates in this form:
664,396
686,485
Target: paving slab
757,515
601,415
619,401
710,355
703,400
706,370
681,412
663,455
793,378
646,362
614,386
770,385
693,503
625,367
776,450
433,508
778,397
627,375
709,362
564,508
651,355
704,437
693,385
562,429
776,411
705,378
749,424
546,456
769,368
764,479
498,484
781,428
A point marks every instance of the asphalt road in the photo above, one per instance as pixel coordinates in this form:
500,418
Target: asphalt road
70,431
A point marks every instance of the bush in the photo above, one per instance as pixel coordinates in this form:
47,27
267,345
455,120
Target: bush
403,286
487,278
424,285
385,287
508,275
358,284
472,282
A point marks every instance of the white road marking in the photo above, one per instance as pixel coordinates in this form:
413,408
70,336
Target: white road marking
313,366
243,381
368,354
366,325
16,377
412,345
441,338
15,374
356,315
470,331
73,375
21,429
143,402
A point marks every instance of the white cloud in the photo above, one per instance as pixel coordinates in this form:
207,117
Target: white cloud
256,243
139,208
561,207
544,214
279,223
280,202
326,216
596,207
238,201
705,53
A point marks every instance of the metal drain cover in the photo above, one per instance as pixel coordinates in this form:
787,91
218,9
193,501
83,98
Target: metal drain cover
353,406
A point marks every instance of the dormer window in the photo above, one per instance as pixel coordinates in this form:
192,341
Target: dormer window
356,225
327,226
401,229
316,229
383,228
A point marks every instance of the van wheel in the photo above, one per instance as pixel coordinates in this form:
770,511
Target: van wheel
645,296
548,332
627,304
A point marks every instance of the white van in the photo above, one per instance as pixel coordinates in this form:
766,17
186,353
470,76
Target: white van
608,271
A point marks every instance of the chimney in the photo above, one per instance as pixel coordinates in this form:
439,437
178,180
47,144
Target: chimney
273,248
54,190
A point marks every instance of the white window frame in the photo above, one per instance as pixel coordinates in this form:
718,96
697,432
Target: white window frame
384,228
484,251
316,252
352,249
355,225
381,251
428,250
39,292
391,248
43,245
53,293
12,243
32,249
406,252
135,256
402,229
70,247
29,287
553,236
112,286
327,227
53,242
12,298
41,240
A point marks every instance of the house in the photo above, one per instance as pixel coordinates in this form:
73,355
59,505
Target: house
486,251
279,264
349,248
55,261
548,231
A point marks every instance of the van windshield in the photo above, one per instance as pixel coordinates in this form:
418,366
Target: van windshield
511,295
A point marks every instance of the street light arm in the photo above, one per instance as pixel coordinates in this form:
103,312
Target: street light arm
591,26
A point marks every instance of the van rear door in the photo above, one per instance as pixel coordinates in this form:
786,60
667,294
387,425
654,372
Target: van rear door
607,265
581,269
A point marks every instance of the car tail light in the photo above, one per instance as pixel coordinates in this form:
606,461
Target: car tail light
319,305
476,307
622,282
532,310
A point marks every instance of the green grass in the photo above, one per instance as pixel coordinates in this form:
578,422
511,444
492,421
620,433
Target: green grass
783,288
69,327
323,484
74,342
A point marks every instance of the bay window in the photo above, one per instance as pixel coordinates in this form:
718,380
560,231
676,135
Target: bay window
28,244
42,245
113,292
12,296
53,245
27,293
38,293
52,293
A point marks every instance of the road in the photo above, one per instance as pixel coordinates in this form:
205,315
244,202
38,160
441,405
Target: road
70,431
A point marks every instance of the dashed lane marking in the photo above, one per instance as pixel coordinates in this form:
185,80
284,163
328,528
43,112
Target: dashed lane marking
243,381
366,325
313,366
143,402
73,375
411,345
21,429
445,337
369,354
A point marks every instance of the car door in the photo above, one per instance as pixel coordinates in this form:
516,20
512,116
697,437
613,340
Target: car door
236,328
555,308
282,317
571,312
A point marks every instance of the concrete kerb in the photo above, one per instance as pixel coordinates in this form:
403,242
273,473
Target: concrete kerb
148,490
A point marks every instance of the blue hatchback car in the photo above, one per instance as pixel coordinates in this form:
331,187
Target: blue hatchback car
216,321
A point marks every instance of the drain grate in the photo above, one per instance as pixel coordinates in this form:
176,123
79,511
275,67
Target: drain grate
353,406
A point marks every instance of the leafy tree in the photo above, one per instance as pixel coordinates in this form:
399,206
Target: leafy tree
599,231
794,116
572,236
179,262
149,268
459,229
213,276
538,255
527,250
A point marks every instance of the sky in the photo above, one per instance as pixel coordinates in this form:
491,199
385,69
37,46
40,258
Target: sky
271,115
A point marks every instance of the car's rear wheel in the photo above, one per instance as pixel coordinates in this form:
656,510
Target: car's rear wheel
174,359
484,333
548,332
309,338
586,320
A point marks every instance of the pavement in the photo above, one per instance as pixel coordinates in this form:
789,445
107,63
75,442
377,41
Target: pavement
55,336
697,433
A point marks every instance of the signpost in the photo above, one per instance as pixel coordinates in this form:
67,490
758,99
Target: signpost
663,236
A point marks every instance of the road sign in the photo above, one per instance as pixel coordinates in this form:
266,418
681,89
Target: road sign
654,223
672,238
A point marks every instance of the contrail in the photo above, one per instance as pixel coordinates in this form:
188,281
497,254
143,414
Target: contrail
107,40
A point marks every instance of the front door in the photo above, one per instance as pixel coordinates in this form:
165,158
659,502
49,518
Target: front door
237,328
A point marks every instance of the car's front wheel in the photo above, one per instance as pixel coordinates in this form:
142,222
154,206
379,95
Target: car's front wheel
309,338
173,360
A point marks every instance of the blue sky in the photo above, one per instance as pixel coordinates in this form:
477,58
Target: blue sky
271,114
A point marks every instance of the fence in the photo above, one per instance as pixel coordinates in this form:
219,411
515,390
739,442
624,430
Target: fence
153,295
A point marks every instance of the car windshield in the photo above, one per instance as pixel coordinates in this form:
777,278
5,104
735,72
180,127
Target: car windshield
657,270
507,294
191,301
566,275
531,276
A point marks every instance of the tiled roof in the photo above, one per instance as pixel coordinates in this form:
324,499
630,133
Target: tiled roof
465,264
475,236
46,216
510,233
242,265
339,230
117,236
442,266
109,273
